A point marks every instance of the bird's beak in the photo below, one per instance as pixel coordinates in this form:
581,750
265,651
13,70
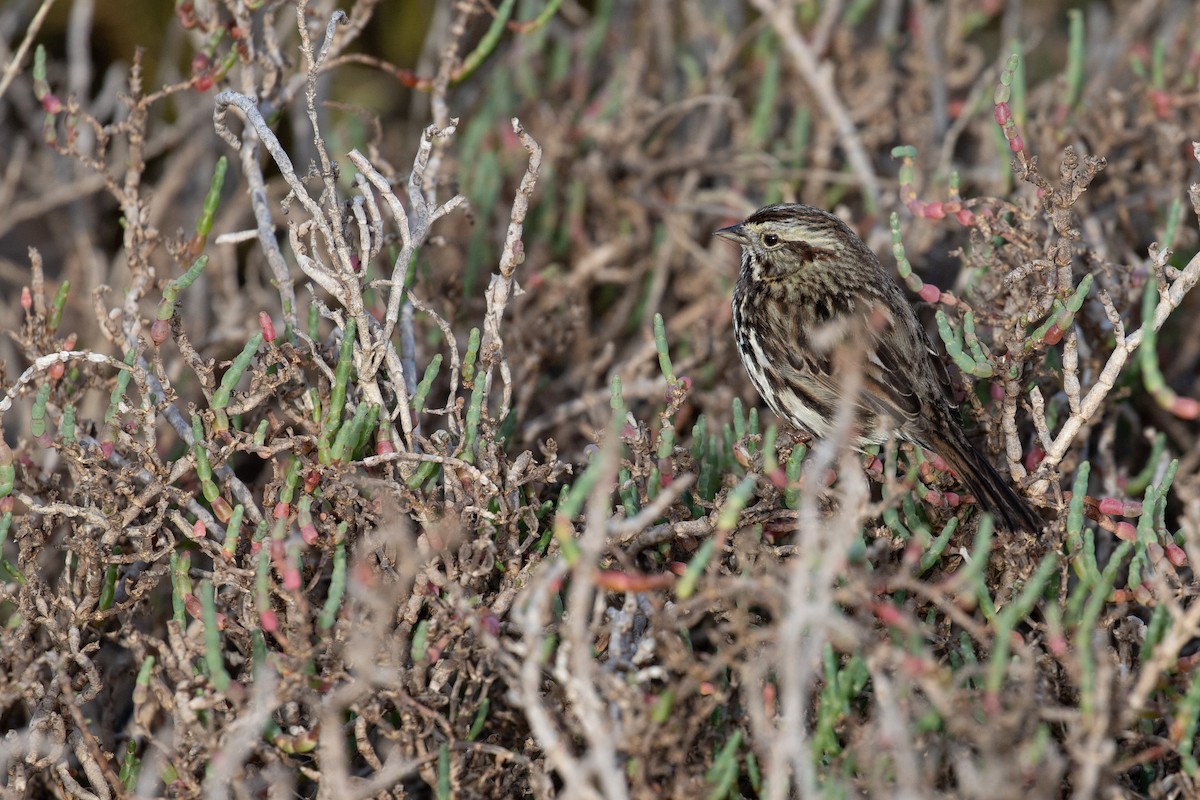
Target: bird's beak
734,233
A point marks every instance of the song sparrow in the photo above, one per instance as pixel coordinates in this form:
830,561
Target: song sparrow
809,292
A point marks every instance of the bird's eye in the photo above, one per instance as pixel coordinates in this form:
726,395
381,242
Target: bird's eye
770,240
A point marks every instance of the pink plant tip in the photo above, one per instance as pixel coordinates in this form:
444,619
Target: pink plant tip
281,510
888,614
677,391
1126,532
1122,596
1016,144
1176,555
1112,506
1058,645
1002,113
268,327
930,293
1185,408
269,620
160,329
1162,103
291,579
965,217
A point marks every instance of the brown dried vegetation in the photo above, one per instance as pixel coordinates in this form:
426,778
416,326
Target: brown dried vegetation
348,479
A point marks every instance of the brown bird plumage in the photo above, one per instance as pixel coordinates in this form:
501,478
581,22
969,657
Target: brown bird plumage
809,286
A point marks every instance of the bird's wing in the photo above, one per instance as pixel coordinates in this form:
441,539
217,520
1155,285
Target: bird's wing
819,369
889,380
897,355
897,365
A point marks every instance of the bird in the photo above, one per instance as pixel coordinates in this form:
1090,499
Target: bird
809,294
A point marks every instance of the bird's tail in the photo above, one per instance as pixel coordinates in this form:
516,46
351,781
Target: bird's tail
992,492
